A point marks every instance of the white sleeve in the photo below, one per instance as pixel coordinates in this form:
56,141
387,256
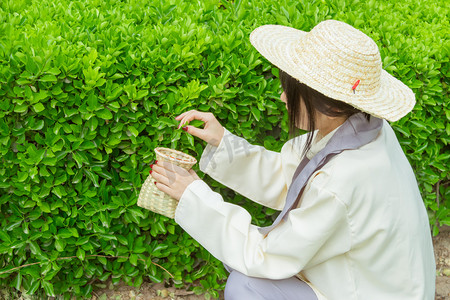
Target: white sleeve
311,234
259,174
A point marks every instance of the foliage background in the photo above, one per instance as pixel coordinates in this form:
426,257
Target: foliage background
89,88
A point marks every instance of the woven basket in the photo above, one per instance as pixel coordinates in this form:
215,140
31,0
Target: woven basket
150,197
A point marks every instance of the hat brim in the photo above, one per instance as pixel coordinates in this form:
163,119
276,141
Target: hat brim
278,43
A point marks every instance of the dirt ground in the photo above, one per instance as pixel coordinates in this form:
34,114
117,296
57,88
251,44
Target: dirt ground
147,291
442,254
159,292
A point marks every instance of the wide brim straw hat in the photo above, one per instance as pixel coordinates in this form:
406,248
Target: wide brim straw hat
338,61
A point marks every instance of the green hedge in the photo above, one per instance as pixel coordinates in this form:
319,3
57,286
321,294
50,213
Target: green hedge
89,88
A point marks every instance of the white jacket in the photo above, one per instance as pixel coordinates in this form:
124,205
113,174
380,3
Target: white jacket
361,230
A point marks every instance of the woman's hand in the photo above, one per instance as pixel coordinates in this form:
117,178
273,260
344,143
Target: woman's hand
172,179
212,132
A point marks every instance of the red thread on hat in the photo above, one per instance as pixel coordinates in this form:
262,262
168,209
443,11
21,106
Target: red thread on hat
355,85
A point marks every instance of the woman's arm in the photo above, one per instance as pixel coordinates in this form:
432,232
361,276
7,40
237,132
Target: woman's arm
311,234
260,175
253,171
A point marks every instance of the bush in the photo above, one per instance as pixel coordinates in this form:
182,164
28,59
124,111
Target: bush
89,88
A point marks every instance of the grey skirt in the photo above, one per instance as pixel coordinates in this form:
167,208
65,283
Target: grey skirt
242,287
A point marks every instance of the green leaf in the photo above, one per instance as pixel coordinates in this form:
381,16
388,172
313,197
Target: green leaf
59,191
92,101
65,233
48,78
92,177
139,280
104,114
133,131
53,71
108,236
74,232
171,229
17,282
81,254
82,241
142,94
35,283
41,95
87,290
38,107
190,139
13,225
137,213
79,159
102,260
48,287
45,207
22,176
79,272
20,108
87,145
122,240
59,245
34,247
133,259
256,113
5,237
93,123
38,126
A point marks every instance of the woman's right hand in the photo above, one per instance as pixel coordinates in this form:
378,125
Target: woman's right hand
212,131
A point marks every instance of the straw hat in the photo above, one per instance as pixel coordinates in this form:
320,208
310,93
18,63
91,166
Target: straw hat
339,61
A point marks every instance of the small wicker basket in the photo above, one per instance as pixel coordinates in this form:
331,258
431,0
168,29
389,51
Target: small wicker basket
150,197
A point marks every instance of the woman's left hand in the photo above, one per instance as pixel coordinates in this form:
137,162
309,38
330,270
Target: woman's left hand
172,179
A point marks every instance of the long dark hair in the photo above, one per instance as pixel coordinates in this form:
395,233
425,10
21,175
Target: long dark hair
314,101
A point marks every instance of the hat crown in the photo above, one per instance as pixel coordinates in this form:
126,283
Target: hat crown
345,37
343,55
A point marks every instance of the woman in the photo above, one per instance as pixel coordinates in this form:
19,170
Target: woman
353,224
